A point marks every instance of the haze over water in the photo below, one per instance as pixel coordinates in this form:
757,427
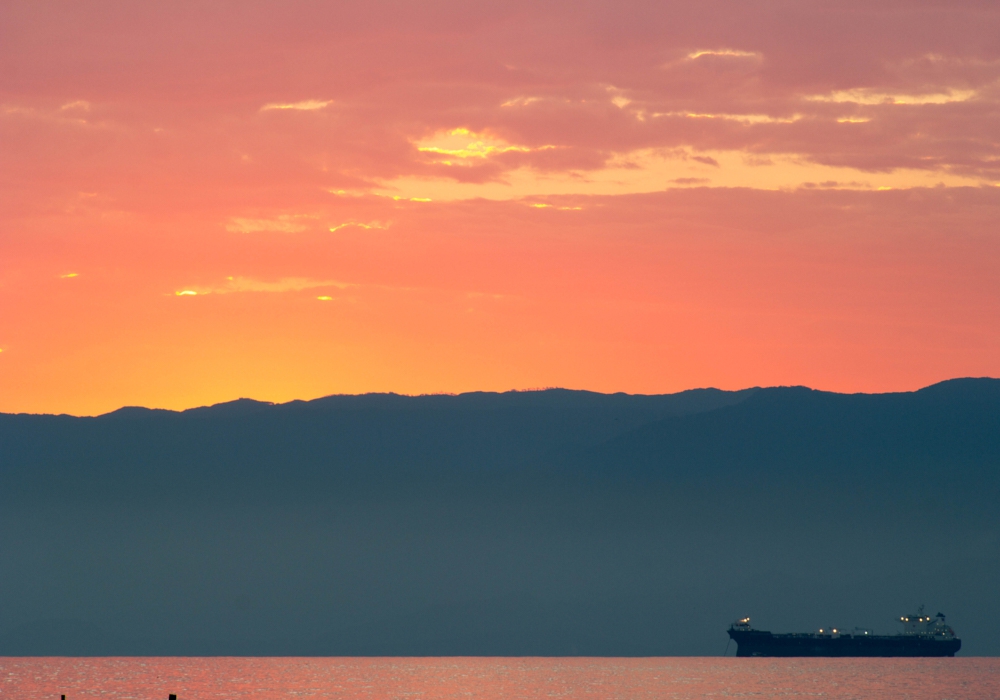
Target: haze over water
488,678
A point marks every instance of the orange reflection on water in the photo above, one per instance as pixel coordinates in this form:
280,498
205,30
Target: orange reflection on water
494,678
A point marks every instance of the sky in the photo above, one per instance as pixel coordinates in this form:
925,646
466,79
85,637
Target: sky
201,201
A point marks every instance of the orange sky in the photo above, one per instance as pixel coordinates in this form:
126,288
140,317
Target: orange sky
202,201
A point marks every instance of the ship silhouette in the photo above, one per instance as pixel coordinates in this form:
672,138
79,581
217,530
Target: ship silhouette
922,635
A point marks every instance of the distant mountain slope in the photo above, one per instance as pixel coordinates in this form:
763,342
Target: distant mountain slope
227,445
788,431
553,522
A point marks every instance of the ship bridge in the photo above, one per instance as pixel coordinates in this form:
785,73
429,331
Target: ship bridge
926,626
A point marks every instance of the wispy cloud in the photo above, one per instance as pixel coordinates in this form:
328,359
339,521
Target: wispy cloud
69,113
287,284
81,105
864,96
304,105
742,118
618,99
521,101
544,205
651,170
234,285
690,180
707,160
358,224
730,53
401,198
286,223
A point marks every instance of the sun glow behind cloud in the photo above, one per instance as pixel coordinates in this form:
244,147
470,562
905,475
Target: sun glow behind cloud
463,145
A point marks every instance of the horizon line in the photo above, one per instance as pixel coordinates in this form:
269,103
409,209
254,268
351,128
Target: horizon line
446,394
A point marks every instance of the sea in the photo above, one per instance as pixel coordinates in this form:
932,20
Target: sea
489,678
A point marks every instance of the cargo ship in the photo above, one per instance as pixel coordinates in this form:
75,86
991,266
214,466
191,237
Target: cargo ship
922,635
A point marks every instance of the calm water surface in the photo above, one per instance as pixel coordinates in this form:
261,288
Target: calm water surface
488,678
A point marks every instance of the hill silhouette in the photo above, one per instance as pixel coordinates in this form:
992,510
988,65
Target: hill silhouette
524,523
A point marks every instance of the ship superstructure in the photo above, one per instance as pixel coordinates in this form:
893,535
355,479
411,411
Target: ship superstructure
922,635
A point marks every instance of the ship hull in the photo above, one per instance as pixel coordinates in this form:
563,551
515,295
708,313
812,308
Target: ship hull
756,643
